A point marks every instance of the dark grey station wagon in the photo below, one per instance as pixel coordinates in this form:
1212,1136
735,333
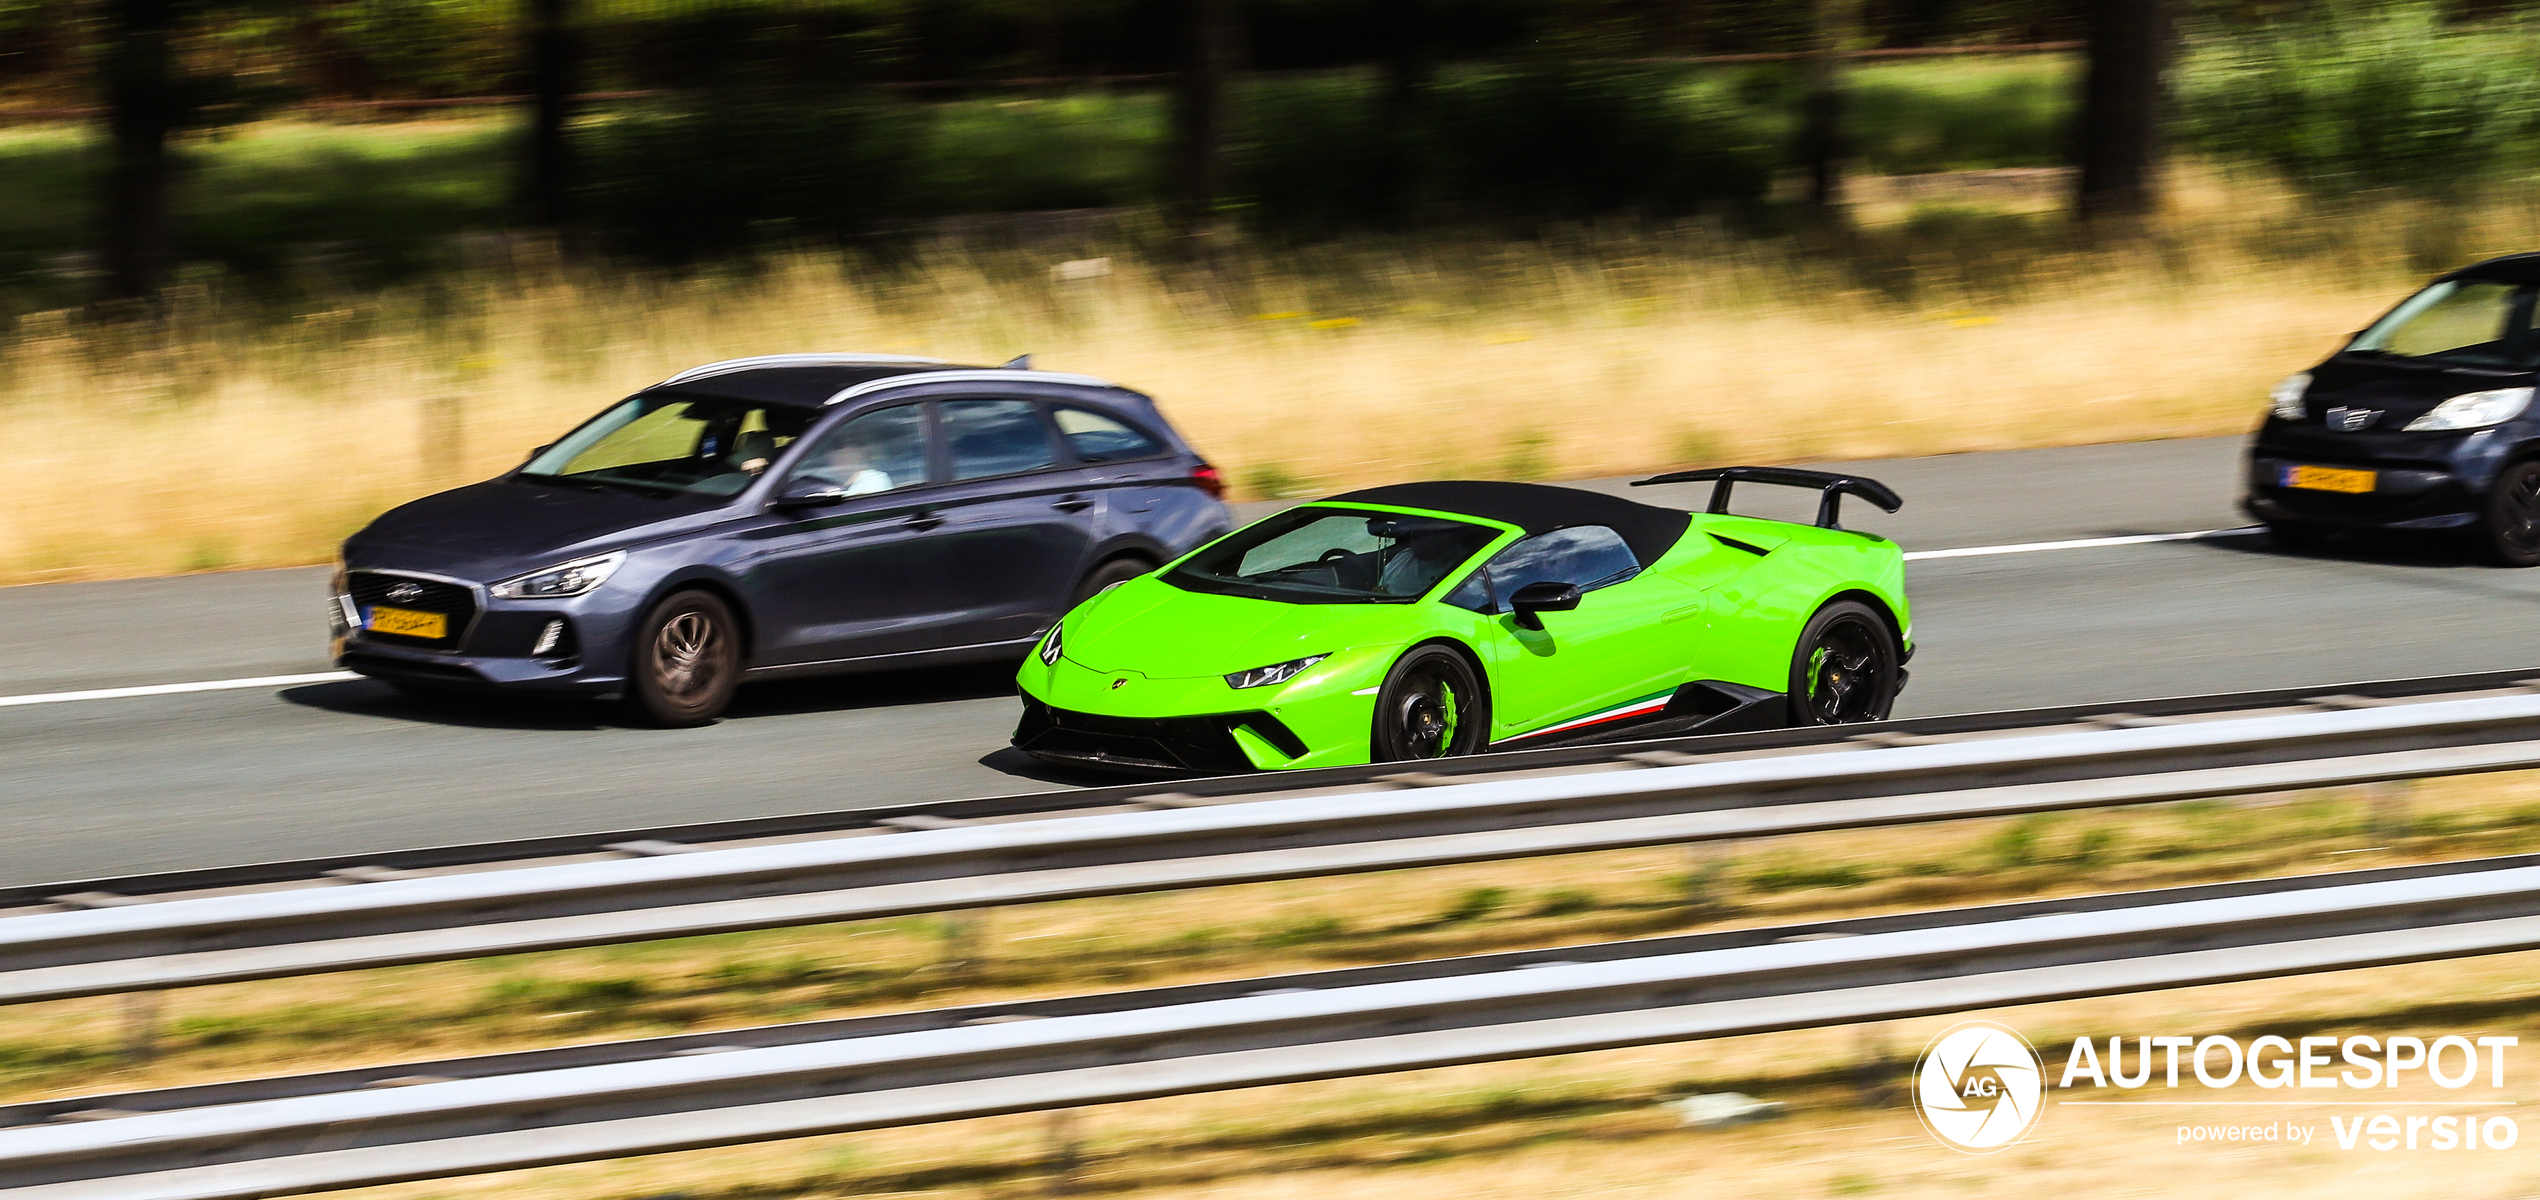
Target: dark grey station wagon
796,513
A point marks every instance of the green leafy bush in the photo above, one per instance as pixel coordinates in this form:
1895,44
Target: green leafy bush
2347,102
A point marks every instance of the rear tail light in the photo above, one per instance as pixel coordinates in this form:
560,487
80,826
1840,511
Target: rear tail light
1209,481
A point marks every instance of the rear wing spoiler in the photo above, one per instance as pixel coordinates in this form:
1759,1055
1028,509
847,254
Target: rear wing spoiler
1829,508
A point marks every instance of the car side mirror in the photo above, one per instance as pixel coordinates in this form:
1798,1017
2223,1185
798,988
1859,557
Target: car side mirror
1542,597
808,492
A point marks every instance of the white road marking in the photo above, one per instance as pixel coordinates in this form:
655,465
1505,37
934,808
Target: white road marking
223,685
2137,539
170,689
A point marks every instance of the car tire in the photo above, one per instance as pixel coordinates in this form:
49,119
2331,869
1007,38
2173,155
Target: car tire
687,661
1846,668
2512,523
1433,705
1111,573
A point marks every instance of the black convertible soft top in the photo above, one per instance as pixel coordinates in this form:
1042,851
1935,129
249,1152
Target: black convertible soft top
1538,508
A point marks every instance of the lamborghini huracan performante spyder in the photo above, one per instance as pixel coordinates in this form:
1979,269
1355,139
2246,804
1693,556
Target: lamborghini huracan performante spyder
1431,619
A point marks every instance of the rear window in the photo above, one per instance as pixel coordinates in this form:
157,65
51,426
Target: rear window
1097,438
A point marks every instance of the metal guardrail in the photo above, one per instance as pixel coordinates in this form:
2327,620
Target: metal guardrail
267,934
331,1131
338,870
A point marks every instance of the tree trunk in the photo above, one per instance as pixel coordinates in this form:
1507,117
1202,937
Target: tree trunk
141,111
2125,97
1821,143
1199,111
546,168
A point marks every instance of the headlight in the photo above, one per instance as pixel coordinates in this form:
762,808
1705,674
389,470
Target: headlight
2287,396
2476,410
571,579
1050,648
1281,673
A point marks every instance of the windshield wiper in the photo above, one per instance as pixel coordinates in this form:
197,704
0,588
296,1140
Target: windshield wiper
596,482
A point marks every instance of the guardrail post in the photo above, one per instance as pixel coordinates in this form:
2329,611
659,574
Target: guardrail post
1067,1151
961,933
1706,878
1876,1063
141,1025
2387,804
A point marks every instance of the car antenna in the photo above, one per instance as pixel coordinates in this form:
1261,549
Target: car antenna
1020,362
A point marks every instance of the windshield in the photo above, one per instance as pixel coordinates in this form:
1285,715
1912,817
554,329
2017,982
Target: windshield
692,444
1318,555
2475,321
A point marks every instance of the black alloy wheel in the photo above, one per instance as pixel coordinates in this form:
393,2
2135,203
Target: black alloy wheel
687,661
1431,706
1112,573
2513,515
1847,667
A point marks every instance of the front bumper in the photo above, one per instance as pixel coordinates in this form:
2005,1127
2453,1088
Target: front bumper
554,647
1210,745
2422,480
1125,720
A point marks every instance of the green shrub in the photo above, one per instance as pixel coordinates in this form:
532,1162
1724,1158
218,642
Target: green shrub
564,995
1474,905
1959,116
1298,933
2346,101
1791,877
1561,902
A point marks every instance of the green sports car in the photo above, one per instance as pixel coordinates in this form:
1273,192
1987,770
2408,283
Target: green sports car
1432,619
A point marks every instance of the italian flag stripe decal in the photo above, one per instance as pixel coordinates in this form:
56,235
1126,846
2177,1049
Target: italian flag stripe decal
1637,708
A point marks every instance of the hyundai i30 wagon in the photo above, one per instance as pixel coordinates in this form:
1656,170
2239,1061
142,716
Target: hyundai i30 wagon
791,514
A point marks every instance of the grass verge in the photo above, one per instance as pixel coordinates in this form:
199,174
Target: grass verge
232,434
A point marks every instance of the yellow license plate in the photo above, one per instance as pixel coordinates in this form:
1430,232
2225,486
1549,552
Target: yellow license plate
2328,479
406,622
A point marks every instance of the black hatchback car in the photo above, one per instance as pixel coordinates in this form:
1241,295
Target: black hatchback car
2423,421
798,513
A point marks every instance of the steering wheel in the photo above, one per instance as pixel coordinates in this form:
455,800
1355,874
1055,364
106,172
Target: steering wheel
1333,554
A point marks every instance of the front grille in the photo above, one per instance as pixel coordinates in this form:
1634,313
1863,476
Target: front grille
1203,744
455,601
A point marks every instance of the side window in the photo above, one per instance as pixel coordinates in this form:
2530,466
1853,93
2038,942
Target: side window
1475,593
879,451
1098,438
1585,556
994,437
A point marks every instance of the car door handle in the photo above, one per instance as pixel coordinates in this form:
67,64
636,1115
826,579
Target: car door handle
1071,504
924,520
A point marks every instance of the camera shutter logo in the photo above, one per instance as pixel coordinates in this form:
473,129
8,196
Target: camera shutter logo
1979,1087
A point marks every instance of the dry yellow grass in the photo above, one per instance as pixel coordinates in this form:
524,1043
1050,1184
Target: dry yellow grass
215,440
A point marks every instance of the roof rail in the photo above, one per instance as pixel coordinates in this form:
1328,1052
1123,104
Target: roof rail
982,375
730,365
1829,508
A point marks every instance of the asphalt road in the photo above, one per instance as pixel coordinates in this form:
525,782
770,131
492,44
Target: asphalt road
109,786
